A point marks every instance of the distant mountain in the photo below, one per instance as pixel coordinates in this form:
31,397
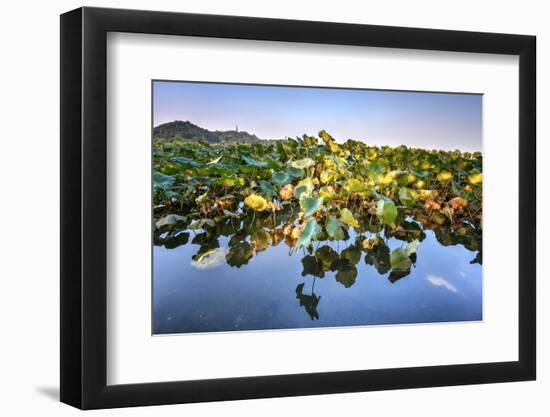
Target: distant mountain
179,130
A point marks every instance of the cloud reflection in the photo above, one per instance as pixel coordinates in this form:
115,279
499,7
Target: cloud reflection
441,282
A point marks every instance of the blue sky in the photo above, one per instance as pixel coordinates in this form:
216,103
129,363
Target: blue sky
424,120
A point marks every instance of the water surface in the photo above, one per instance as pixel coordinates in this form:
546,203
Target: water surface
275,289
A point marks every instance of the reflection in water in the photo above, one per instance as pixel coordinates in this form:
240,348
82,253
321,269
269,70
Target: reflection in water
309,302
246,264
441,282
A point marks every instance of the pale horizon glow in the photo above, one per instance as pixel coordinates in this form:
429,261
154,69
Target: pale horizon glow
378,117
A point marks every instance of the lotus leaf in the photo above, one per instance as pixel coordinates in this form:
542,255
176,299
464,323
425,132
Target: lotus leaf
347,217
310,205
304,187
334,228
302,163
386,211
281,178
308,233
256,202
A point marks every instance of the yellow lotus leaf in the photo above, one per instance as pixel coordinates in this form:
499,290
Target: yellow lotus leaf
445,176
427,194
347,217
256,202
327,192
327,175
475,178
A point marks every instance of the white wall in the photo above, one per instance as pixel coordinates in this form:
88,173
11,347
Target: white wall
29,222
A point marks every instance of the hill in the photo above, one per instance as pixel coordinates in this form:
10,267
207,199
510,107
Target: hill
180,130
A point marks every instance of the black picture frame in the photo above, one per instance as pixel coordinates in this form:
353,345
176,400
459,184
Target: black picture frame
84,207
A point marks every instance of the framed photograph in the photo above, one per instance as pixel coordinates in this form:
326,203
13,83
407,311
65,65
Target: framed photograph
256,208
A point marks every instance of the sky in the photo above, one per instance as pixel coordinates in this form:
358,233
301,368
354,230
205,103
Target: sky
377,117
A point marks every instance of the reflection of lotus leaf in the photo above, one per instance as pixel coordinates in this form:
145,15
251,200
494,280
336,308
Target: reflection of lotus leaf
169,220
210,259
411,247
379,258
312,266
172,242
399,260
239,254
352,253
327,257
261,239
346,274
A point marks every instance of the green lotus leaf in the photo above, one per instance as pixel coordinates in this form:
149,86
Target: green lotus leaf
334,228
162,181
267,188
281,178
304,187
308,233
302,163
185,161
294,172
386,211
407,197
310,205
254,162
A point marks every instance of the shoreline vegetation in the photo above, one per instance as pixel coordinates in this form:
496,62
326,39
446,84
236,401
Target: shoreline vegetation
307,191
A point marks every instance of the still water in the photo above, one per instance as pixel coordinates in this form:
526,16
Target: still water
272,289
